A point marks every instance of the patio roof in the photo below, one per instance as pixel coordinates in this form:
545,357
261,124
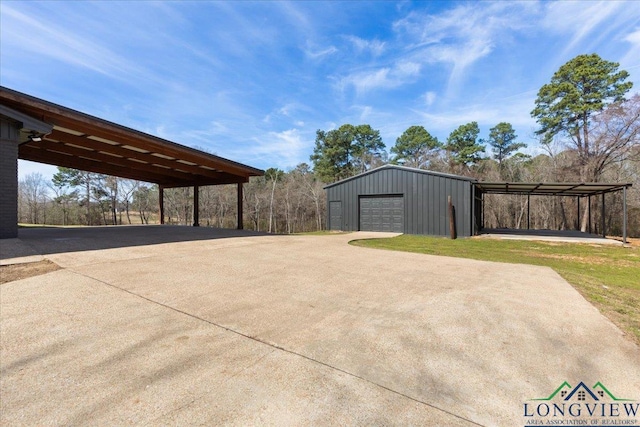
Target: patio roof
80,141
550,189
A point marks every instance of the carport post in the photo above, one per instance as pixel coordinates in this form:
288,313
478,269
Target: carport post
604,234
161,202
528,211
196,206
482,213
624,214
589,211
239,197
578,201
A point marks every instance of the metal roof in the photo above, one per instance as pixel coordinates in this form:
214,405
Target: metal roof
80,141
404,168
549,188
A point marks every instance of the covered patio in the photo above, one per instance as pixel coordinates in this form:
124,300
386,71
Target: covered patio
40,131
578,190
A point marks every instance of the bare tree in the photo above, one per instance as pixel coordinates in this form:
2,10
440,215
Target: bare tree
34,192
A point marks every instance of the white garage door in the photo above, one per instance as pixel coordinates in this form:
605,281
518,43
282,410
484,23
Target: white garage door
382,214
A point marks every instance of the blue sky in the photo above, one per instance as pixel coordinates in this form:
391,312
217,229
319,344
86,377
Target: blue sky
253,81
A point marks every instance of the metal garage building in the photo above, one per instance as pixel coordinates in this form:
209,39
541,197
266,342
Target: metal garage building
404,200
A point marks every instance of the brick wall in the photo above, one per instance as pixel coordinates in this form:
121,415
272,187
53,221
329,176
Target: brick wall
8,179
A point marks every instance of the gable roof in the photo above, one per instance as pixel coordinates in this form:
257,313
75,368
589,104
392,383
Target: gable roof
81,141
403,168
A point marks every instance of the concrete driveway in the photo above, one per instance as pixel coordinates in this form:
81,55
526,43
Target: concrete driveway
182,326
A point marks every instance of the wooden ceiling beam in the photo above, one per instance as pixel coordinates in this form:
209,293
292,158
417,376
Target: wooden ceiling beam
218,170
143,141
52,158
132,154
109,160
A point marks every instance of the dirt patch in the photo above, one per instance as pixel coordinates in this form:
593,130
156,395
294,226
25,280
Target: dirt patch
631,241
9,273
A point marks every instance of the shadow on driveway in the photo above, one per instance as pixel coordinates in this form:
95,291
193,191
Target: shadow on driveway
56,240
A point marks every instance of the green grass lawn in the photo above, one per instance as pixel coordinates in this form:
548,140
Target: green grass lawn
607,276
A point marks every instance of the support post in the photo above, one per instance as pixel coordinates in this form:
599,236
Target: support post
589,211
624,214
482,214
9,140
528,211
604,234
578,202
240,214
452,219
473,211
161,202
196,206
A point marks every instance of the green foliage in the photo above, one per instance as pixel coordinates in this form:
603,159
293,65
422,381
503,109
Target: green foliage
346,151
273,174
581,87
66,177
502,139
415,147
463,146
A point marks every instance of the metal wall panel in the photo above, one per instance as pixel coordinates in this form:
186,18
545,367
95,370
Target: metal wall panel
424,197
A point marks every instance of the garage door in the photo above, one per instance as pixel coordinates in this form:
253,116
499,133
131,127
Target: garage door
382,214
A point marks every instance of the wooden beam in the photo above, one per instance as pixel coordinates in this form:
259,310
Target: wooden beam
57,159
109,160
131,154
128,136
219,170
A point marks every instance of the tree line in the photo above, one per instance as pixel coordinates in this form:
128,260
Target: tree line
589,131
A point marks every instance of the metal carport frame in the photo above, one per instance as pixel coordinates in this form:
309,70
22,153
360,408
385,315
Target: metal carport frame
579,190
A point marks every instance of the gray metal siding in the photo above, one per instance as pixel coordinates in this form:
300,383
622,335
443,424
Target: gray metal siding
425,207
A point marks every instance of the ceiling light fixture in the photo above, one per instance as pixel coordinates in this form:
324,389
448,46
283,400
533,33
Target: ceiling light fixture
34,137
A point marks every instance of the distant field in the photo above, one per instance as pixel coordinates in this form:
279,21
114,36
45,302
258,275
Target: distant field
607,276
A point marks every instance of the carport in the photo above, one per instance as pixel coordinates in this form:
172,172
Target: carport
578,190
40,131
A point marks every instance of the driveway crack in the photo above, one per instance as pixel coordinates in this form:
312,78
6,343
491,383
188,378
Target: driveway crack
278,347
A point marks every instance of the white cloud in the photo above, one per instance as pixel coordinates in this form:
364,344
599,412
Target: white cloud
514,109
285,149
315,52
376,47
399,74
40,38
632,58
581,19
460,36
429,98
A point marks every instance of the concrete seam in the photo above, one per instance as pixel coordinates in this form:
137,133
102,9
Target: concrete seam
277,347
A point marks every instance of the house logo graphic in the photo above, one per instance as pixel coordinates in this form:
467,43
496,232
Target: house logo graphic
581,405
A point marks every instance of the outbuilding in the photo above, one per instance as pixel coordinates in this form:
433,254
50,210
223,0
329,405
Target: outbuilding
404,200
